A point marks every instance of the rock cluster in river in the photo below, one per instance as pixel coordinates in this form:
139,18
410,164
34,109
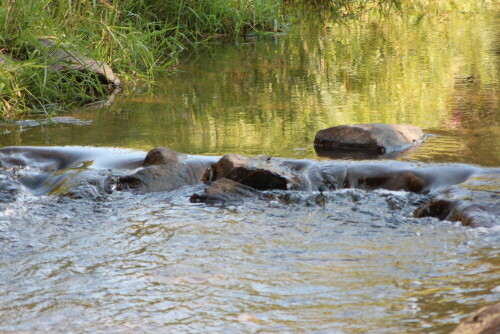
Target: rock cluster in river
234,178
458,193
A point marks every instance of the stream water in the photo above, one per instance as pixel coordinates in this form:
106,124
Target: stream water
357,263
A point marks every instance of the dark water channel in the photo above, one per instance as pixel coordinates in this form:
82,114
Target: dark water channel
357,262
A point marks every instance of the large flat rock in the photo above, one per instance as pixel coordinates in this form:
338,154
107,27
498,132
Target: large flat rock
376,138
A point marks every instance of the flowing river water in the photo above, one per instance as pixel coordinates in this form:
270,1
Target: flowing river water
356,263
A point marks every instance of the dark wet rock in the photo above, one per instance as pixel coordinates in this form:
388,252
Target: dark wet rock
163,156
475,214
329,175
152,179
358,154
486,320
472,214
406,181
369,140
376,177
253,172
439,209
64,58
164,170
307,198
225,191
473,202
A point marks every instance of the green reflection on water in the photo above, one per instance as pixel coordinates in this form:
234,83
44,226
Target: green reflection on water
271,95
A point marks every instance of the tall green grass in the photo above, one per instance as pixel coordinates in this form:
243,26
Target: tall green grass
137,38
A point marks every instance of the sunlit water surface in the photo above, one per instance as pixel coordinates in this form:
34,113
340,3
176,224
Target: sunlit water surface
359,263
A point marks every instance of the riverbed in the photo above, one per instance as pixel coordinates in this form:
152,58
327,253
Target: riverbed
357,262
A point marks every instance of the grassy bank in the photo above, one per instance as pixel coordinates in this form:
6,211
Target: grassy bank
138,38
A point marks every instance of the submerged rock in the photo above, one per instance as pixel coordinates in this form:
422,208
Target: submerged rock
486,320
369,139
255,173
45,159
225,191
49,159
164,170
439,209
390,180
284,174
473,202
92,185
